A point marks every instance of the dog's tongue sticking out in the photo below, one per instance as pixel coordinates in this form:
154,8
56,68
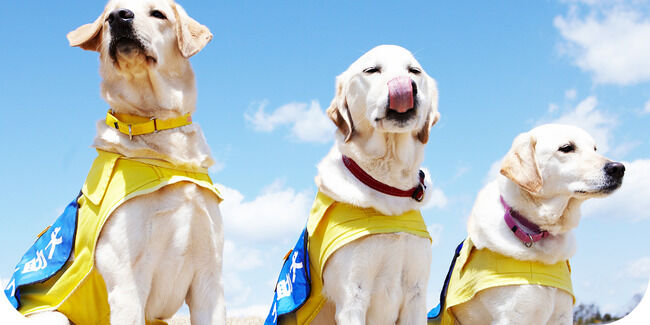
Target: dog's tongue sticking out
400,94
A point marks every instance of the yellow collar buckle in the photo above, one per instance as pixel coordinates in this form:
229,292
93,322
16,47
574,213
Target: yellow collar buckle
137,125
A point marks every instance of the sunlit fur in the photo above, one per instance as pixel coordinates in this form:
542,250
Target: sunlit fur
380,279
566,180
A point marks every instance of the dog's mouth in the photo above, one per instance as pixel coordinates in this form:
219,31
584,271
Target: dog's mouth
128,47
401,117
611,186
605,189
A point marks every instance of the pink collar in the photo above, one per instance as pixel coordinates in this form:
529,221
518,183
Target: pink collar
417,193
525,230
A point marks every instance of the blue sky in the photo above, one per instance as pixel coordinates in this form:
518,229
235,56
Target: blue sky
268,75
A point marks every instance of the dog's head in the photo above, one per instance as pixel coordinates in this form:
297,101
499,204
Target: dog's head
385,90
560,160
145,34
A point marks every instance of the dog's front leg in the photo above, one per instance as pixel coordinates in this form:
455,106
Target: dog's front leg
348,281
415,280
126,296
206,300
125,268
205,296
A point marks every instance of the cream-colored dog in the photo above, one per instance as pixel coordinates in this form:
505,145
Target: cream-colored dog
545,177
161,249
379,279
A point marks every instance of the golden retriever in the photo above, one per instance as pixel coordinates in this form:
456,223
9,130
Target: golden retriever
384,107
545,177
164,248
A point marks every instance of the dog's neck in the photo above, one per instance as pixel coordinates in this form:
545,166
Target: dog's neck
391,158
487,228
151,93
556,214
396,168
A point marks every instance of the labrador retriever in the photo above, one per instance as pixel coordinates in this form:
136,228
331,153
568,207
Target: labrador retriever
384,107
514,265
369,183
163,248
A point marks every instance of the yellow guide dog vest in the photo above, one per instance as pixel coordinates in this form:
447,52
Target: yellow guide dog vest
78,290
480,269
332,225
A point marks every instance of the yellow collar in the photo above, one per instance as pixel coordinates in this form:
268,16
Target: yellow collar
136,125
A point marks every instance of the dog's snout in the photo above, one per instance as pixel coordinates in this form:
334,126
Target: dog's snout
401,91
615,169
120,16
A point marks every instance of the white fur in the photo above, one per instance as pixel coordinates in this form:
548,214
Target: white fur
160,249
379,279
567,180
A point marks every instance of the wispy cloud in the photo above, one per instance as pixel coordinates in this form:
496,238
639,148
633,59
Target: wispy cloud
308,122
637,269
278,212
646,107
608,39
596,122
571,94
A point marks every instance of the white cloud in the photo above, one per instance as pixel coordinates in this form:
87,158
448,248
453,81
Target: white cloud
438,199
630,201
216,167
435,231
552,107
308,122
571,93
597,123
646,107
637,269
608,39
277,212
235,289
241,258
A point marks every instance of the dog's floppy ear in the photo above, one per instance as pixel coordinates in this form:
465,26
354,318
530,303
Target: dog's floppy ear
520,166
339,112
191,35
88,36
434,115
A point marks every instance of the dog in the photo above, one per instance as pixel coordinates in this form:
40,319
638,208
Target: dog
161,244
514,267
384,108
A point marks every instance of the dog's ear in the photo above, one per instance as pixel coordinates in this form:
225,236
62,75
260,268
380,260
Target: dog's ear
520,165
434,115
191,35
338,111
88,36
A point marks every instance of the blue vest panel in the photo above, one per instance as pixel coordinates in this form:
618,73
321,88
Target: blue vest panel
294,285
47,256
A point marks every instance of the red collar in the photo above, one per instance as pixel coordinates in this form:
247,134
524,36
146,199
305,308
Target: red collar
417,193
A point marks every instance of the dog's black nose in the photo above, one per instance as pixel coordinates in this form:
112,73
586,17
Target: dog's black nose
119,16
615,169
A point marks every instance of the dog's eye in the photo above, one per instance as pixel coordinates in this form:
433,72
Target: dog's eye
372,70
414,70
595,149
567,148
158,14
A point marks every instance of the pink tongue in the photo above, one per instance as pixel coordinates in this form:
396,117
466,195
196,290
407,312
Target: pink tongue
400,94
